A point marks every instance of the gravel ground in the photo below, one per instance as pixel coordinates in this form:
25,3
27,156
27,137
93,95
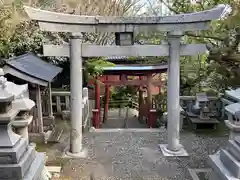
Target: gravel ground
135,155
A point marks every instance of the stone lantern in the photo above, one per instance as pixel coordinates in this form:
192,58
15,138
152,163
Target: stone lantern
233,122
201,106
226,162
19,160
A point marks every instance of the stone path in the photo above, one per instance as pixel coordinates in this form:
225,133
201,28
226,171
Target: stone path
116,121
120,123
134,155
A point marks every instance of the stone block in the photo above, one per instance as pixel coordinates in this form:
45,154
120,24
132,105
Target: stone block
233,149
17,171
230,162
237,140
220,172
13,155
8,137
35,170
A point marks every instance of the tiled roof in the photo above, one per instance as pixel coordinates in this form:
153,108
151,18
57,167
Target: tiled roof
34,66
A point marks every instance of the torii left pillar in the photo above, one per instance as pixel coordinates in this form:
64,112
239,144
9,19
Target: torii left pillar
76,146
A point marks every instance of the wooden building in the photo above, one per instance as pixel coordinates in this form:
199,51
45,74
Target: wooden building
29,68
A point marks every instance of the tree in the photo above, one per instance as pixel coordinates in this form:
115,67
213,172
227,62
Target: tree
223,42
19,35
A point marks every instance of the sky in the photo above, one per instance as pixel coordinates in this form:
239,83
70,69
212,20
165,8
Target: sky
161,8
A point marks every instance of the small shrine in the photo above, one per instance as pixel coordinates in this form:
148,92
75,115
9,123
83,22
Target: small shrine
201,113
19,159
38,74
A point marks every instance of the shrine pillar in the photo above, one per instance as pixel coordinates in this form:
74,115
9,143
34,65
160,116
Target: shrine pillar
173,148
149,99
140,103
123,78
76,148
39,109
173,106
106,101
160,87
97,112
50,109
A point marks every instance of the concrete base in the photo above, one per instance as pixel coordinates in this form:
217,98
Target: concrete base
82,154
220,172
181,153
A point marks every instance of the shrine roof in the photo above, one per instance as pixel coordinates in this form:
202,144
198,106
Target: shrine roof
31,68
136,67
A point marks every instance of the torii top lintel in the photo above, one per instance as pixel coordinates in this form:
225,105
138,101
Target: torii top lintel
60,22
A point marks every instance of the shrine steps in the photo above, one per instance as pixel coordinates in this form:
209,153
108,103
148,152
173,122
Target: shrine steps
226,162
230,162
234,149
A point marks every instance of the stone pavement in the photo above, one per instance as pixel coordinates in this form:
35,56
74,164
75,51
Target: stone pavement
116,120
135,155
120,123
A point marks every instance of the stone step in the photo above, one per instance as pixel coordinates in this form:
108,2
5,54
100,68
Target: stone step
234,149
230,163
36,168
218,168
237,140
17,171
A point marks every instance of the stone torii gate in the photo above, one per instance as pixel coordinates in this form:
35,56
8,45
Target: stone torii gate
174,25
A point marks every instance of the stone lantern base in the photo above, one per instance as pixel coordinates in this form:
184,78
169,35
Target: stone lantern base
18,159
21,162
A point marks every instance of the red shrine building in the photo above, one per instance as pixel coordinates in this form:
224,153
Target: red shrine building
147,78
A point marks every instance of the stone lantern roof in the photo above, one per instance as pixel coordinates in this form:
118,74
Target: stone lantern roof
24,104
234,94
233,108
10,91
5,96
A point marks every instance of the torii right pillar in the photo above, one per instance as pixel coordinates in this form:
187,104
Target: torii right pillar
173,148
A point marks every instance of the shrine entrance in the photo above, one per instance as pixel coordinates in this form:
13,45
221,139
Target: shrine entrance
124,29
143,77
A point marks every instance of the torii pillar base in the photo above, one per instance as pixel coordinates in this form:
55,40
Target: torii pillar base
81,154
166,152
